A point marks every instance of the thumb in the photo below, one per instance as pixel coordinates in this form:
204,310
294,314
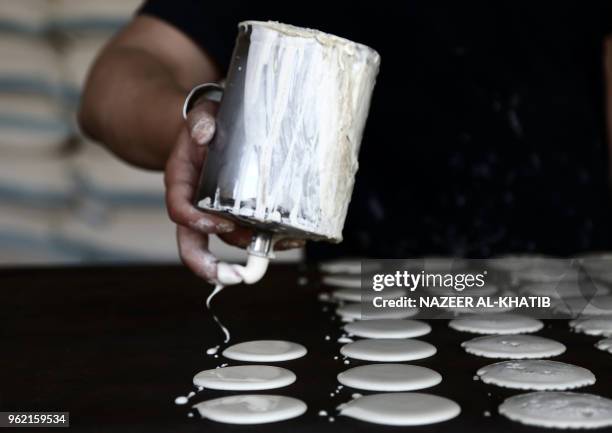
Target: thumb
201,121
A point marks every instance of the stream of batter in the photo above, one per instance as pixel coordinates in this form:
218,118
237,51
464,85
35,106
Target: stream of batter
230,274
224,329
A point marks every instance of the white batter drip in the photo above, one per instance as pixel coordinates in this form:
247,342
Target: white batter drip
539,375
251,409
387,328
388,350
229,274
265,351
401,409
389,377
496,324
513,347
555,409
245,378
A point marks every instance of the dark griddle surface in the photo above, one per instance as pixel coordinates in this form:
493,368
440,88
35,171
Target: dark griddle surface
115,346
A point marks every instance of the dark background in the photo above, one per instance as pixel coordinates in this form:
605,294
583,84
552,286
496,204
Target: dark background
487,128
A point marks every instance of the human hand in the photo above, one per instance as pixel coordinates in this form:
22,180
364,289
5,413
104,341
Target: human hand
181,179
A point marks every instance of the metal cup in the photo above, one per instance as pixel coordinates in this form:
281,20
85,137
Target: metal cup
289,128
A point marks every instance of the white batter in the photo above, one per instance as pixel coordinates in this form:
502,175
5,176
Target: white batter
229,274
226,333
436,265
486,290
389,377
514,262
547,273
596,306
605,345
539,375
513,347
496,324
350,312
401,409
387,328
388,350
358,295
265,351
244,378
565,289
251,409
253,271
349,281
556,409
594,326
341,266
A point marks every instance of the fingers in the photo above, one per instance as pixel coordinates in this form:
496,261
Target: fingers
181,179
201,122
289,244
241,237
193,250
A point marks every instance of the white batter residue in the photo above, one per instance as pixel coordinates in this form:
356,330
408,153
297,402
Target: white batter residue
245,378
566,289
539,375
555,409
358,295
513,347
504,323
388,328
605,345
388,350
601,325
356,311
595,306
265,351
251,409
401,409
389,377
348,281
341,266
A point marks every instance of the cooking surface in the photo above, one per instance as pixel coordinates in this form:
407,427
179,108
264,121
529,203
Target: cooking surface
116,346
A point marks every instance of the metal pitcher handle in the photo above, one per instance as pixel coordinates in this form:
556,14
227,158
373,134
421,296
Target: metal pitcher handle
209,91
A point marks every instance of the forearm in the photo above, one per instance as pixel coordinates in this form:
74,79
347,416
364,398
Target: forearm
132,104
133,97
